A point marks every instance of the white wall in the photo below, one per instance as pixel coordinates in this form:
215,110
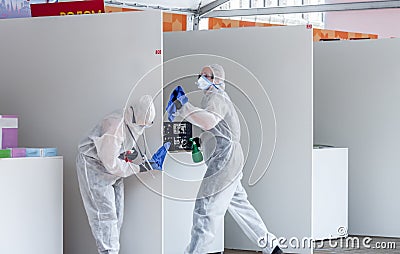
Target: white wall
283,67
382,22
356,100
63,74
180,186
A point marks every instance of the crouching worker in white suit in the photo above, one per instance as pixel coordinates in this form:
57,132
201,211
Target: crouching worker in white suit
107,155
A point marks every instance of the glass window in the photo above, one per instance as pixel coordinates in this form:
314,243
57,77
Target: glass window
271,3
257,3
316,19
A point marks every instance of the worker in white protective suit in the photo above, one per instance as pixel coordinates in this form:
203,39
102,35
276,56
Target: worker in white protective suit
221,189
108,154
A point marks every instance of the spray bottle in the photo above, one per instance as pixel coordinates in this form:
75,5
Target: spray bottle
197,156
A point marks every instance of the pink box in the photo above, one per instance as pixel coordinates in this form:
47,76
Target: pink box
18,152
8,131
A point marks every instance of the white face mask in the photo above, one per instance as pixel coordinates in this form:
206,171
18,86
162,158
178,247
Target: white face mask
139,129
203,83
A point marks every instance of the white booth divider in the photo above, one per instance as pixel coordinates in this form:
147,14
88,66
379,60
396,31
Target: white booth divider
63,74
356,104
269,78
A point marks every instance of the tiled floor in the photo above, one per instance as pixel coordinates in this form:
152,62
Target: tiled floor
373,245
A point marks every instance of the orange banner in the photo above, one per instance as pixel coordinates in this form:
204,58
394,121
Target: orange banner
171,21
319,34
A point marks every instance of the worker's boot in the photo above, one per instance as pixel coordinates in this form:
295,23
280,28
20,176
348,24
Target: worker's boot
277,250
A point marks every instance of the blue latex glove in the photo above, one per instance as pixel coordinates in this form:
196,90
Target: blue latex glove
176,100
157,159
171,110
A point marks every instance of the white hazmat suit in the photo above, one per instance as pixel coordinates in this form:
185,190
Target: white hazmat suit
221,189
101,172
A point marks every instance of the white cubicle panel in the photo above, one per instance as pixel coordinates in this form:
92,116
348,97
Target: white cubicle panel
269,78
61,76
356,100
178,213
330,193
31,194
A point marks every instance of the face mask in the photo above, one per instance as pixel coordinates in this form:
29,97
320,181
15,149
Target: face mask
138,129
203,83
145,126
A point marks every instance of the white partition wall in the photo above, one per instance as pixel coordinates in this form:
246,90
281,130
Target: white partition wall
178,211
356,104
63,74
269,78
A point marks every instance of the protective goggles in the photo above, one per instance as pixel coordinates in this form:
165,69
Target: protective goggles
206,76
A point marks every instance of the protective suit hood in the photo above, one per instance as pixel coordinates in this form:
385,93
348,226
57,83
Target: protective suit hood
140,113
219,75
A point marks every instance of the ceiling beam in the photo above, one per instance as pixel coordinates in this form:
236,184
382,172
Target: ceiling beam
123,3
388,4
204,10
211,6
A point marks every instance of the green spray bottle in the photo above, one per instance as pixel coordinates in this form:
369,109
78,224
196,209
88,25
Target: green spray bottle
197,156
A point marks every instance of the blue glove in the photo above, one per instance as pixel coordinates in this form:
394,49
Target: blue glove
176,100
157,159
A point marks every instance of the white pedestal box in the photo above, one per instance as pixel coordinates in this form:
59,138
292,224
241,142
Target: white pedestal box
330,193
31,196
177,212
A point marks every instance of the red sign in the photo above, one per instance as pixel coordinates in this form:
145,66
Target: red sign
67,8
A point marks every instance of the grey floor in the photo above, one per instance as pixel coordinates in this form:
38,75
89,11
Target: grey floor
350,246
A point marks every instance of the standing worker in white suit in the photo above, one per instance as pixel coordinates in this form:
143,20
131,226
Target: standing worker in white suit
221,189
106,156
